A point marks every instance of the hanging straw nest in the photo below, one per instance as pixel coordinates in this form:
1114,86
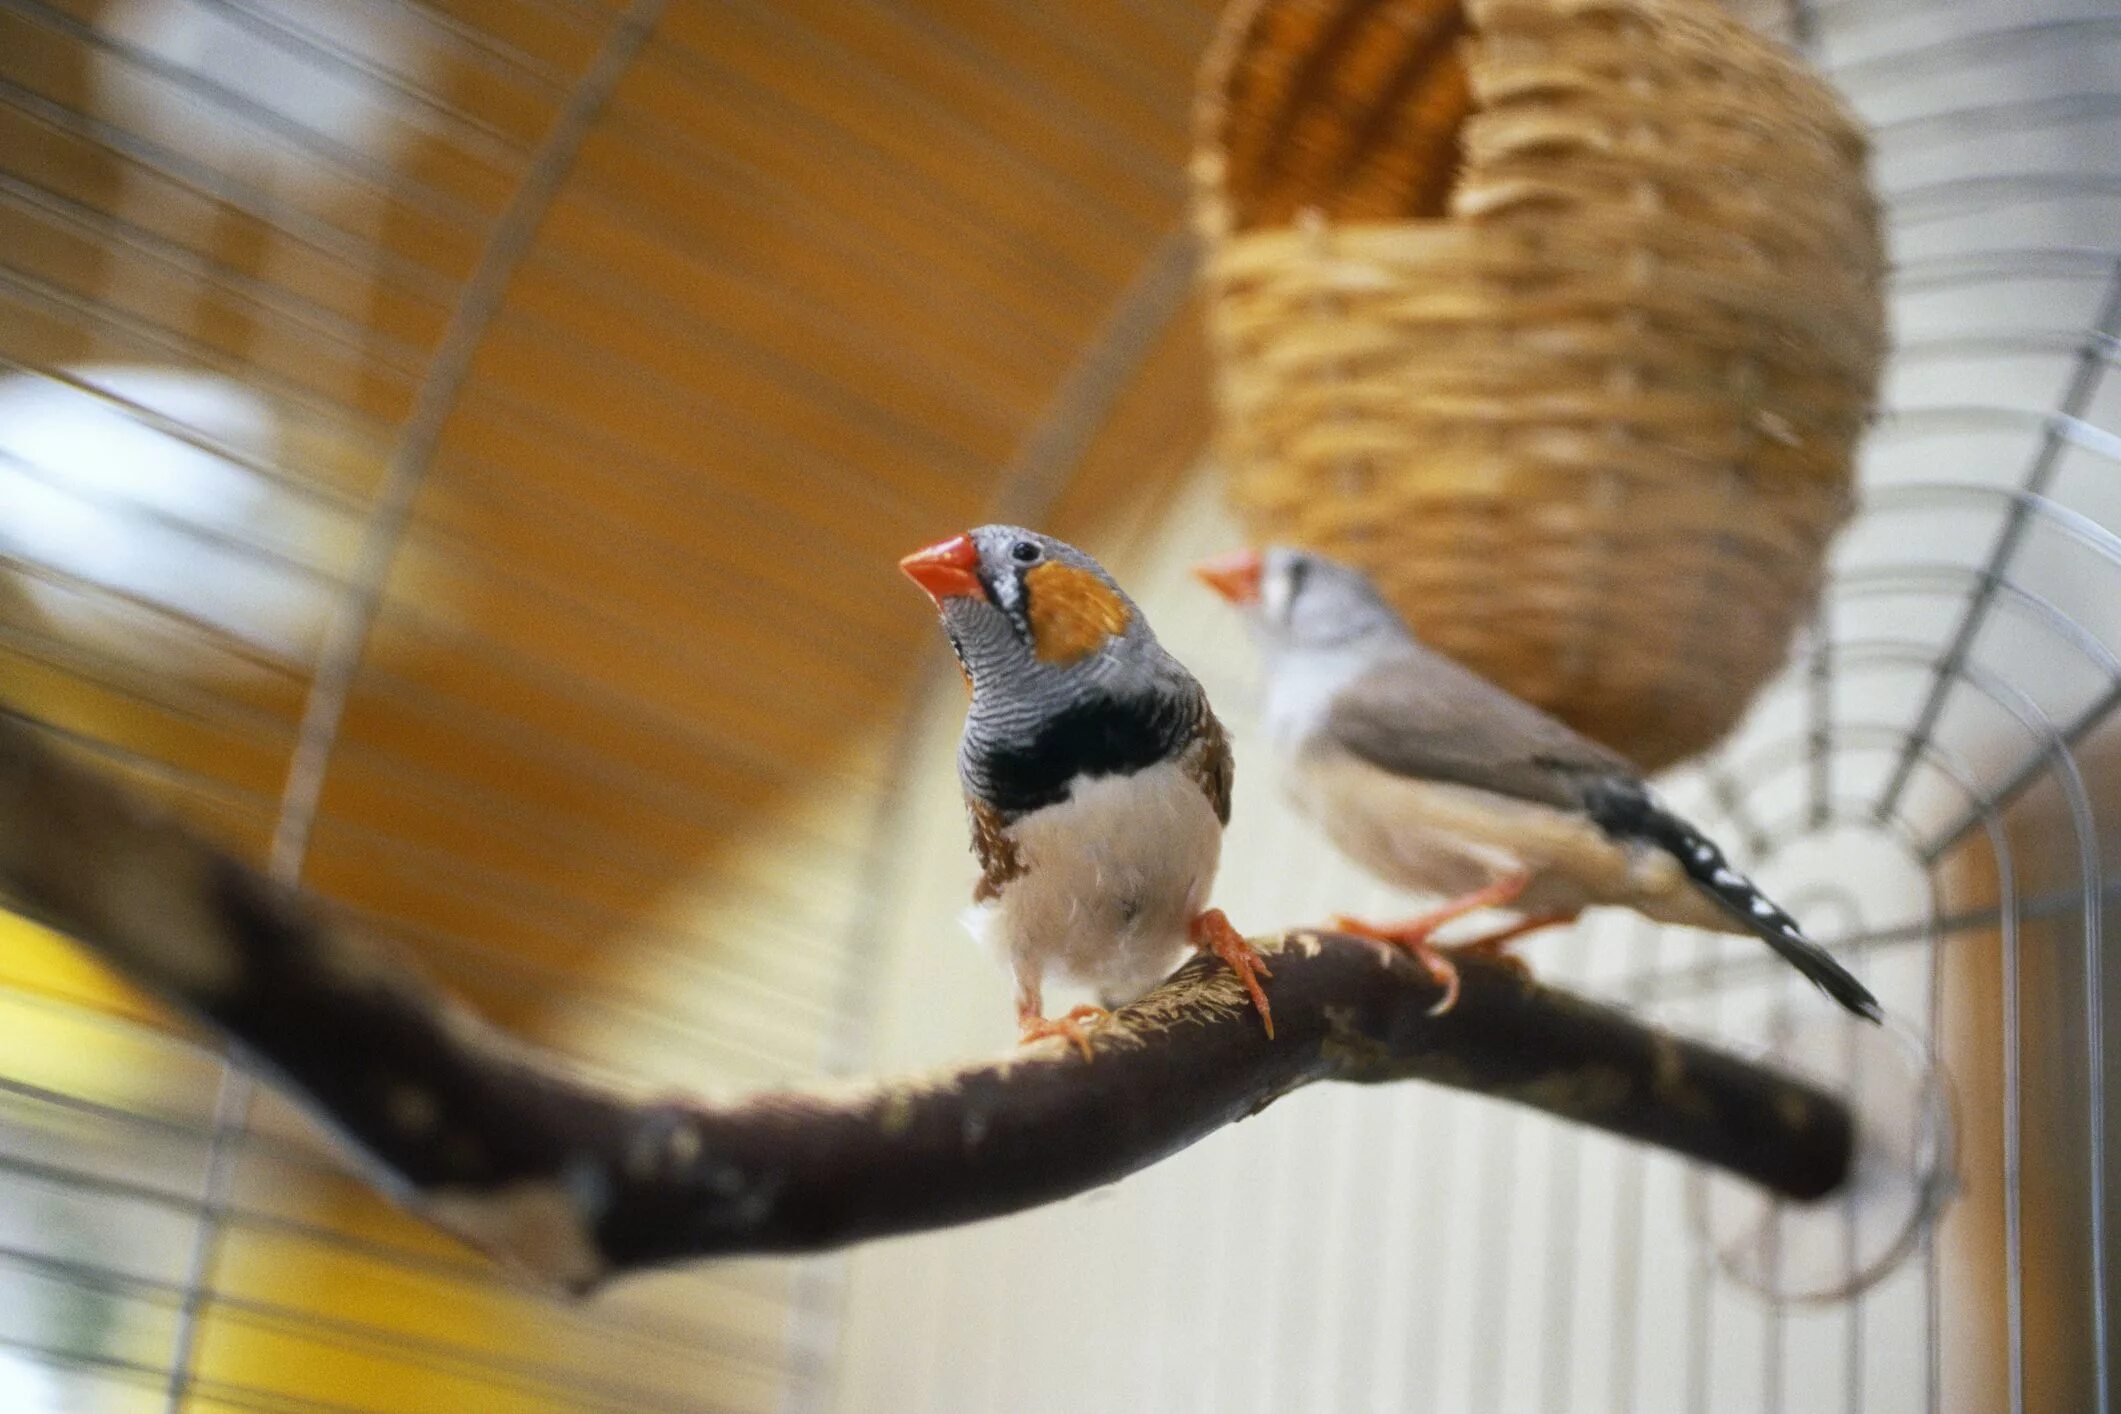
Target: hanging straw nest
1559,317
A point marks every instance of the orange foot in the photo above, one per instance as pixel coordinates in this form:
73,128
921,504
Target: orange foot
1413,935
1070,1027
1494,947
1212,932
1442,971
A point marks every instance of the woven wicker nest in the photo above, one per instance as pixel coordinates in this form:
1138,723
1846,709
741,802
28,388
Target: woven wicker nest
1561,317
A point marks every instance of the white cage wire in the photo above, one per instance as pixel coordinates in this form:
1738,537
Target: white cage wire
1927,784
1931,786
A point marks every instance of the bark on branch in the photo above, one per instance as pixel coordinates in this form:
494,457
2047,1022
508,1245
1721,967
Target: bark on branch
576,1181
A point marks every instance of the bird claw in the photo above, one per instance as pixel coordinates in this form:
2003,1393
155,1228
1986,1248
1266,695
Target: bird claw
1415,932
1413,940
1406,935
1214,933
1069,1028
1442,971
1413,936
1494,947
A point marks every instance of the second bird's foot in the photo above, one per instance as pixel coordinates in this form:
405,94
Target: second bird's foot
1403,935
1495,946
1413,940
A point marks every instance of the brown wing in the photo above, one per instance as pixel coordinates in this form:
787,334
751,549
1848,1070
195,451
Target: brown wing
1210,764
999,860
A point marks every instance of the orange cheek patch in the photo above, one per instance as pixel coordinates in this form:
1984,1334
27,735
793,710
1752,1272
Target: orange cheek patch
1072,613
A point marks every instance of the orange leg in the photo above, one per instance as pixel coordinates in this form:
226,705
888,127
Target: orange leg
1499,894
1414,934
1494,946
1031,1026
1070,1027
1213,932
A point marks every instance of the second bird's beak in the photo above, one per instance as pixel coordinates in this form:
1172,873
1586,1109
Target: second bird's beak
1235,576
947,569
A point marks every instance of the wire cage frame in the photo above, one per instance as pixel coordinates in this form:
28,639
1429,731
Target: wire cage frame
1858,767
1945,722
2047,704
1925,784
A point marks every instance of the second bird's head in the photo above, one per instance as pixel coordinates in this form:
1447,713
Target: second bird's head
1299,600
1025,610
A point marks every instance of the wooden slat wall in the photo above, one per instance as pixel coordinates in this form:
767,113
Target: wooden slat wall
816,277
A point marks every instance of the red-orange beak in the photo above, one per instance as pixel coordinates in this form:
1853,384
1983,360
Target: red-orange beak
1235,576
946,569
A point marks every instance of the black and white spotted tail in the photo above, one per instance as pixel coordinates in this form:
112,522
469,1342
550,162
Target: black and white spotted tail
1626,809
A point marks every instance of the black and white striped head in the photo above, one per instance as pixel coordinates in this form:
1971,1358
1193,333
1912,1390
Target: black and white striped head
1300,600
1029,614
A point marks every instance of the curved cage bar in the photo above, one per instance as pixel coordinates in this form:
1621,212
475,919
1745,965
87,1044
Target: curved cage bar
815,250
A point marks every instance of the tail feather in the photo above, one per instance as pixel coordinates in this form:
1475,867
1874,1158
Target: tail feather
1626,808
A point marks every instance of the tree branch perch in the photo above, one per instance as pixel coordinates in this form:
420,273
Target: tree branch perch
576,1181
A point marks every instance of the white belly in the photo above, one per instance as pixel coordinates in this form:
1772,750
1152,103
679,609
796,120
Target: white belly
1440,838
1111,878
1400,831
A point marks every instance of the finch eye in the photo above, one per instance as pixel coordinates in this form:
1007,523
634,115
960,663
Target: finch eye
1024,552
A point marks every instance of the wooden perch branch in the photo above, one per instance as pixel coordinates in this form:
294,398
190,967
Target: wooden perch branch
576,1181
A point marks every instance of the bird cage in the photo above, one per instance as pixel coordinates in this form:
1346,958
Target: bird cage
456,453
1560,319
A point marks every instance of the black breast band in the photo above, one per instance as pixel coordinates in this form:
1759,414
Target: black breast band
1103,736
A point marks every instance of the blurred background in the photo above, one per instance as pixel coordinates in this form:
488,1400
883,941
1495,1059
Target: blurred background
458,452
